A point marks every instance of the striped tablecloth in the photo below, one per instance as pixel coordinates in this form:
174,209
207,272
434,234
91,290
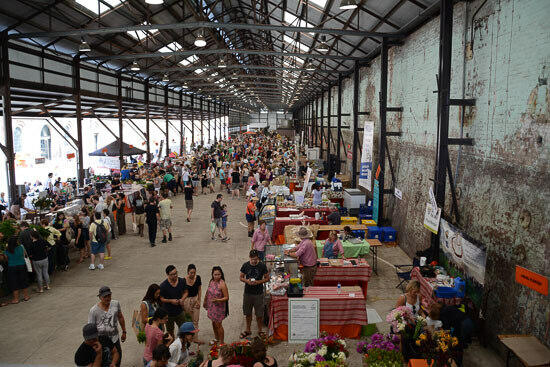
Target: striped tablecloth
280,224
310,212
427,291
345,275
338,311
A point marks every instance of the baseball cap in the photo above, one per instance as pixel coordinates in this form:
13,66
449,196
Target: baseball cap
89,331
187,327
104,291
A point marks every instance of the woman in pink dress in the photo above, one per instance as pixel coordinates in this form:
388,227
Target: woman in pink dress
216,303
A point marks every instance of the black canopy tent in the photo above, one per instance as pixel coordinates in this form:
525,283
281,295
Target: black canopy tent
113,150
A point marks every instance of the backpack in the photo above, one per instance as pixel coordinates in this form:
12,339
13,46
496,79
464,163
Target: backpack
101,232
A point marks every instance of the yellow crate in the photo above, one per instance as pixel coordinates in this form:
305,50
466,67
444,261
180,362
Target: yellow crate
348,220
368,222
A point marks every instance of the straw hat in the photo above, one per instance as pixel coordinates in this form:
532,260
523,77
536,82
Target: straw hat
304,232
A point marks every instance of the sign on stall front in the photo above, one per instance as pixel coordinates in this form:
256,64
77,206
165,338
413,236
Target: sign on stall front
303,319
528,278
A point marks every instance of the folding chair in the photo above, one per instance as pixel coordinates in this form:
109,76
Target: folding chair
404,272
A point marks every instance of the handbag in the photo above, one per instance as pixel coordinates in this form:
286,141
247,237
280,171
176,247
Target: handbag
28,264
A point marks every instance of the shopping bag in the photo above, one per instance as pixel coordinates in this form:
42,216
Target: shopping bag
135,227
28,264
212,227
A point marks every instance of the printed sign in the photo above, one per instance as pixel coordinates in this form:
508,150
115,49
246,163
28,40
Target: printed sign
375,200
40,160
398,194
365,171
306,181
431,218
303,319
464,254
108,162
528,278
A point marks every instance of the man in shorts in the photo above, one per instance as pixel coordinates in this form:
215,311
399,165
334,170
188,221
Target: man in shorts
139,212
188,192
98,229
165,210
217,215
253,275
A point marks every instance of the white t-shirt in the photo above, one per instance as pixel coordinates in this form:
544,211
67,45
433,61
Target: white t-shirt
106,322
177,355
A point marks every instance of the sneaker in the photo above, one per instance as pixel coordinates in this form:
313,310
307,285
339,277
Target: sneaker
170,237
188,220
48,287
212,238
108,257
91,267
100,266
153,245
163,240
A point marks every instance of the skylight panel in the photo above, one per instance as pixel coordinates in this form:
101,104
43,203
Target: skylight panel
189,60
296,44
171,47
92,5
199,71
321,3
293,20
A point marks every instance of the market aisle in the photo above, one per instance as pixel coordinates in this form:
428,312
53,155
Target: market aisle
46,330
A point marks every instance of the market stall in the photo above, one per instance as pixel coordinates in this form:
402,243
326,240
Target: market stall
283,212
280,224
325,229
345,273
351,249
341,313
427,286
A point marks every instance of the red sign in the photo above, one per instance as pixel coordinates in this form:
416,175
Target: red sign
131,146
350,155
70,156
378,172
532,280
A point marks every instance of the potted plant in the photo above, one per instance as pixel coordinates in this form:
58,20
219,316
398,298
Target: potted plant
329,350
42,204
381,351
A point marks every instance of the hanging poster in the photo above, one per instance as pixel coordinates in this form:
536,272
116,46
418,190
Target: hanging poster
306,181
431,217
466,255
375,201
108,162
365,171
303,319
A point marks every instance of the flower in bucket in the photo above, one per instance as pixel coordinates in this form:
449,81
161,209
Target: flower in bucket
329,351
381,351
438,346
399,318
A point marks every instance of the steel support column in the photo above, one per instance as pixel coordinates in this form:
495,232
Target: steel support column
120,126
329,129
316,114
182,132
209,119
202,133
322,124
147,122
78,110
192,121
7,113
383,104
339,119
355,127
167,119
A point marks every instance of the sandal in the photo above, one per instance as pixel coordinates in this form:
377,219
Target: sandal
26,299
244,334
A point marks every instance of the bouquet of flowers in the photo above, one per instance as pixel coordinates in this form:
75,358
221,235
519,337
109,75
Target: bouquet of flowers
329,350
381,351
399,318
439,347
242,357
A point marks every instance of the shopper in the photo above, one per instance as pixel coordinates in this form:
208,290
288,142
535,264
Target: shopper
260,239
149,304
85,220
61,258
121,213
139,212
306,252
38,253
79,238
98,237
258,349
179,349
216,303
251,214
96,350
225,215
253,275
217,213
412,298
152,217
18,278
333,247
52,239
192,304
154,334
161,355
107,218
106,315
188,191
235,182
173,292
165,210
225,357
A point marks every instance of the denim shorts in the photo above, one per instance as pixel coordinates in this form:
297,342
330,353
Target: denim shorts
97,248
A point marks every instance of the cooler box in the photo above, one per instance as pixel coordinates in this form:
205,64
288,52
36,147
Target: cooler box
374,233
445,292
368,222
388,234
460,287
353,198
348,220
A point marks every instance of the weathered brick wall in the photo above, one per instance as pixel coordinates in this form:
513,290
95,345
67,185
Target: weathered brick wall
503,180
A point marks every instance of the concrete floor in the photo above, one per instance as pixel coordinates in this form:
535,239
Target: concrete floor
46,331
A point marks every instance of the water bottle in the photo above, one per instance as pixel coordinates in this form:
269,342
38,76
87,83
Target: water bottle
339,289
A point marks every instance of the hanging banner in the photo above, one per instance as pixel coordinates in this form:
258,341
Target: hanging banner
375,201
431,218
306,181
466,255
108,162
365,172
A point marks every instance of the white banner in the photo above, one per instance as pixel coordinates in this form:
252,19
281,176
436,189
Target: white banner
108,162
465,255
306,181
365,174
431,218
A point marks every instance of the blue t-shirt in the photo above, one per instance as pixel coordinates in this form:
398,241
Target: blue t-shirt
18,256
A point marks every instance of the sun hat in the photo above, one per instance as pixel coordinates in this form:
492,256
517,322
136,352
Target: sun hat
304,233
187,327
104,291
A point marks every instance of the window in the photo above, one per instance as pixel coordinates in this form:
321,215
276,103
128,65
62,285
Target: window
321,3
92,4
46,143
141,35
17,137
190,60
171,47
296,44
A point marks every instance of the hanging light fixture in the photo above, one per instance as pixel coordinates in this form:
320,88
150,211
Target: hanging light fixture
200,41
154,2
222,64
348,4
310,67
165,78
84,46
135,66
323,46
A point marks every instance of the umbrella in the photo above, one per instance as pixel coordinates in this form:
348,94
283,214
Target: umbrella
112,150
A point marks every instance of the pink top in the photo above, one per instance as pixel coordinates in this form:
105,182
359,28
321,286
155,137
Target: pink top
336,247
260,239
154,337
307,254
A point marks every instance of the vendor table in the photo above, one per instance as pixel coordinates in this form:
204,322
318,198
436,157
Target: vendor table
374,245
340,314
324,230
351,250
528,349
427,290
309,212
346,275
280,224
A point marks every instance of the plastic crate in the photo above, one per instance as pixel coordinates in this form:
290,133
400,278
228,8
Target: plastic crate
460,287
445,292
368,222
348,220
363,217
343,210
374,233
388,234
359,233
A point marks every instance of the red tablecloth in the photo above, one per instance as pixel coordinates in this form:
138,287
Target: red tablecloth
310,212
339,314
280,224
345,275
427,291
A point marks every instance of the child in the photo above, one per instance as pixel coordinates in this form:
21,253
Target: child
348,234
432,321
204,183
224,223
